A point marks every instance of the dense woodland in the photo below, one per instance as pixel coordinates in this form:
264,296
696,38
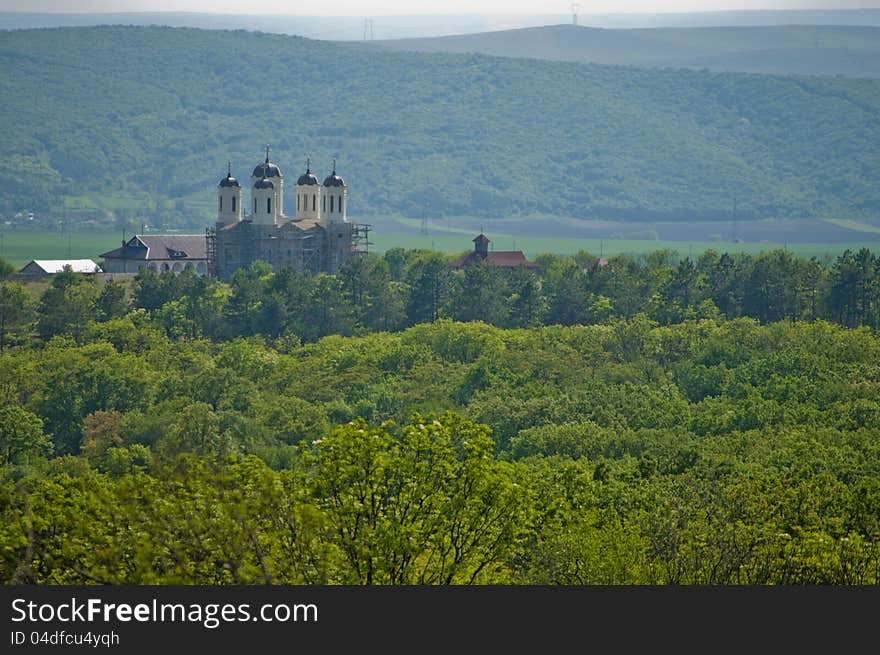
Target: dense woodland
791,47
648,421
141,121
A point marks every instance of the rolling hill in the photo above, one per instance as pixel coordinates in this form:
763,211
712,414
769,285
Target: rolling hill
142,120
336,27
804,50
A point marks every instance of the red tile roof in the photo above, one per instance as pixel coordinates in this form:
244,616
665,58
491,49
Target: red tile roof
505,258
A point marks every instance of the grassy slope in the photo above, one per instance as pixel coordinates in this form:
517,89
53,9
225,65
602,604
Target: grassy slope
104,113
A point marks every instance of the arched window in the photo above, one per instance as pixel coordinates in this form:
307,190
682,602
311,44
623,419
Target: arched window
255,205
331,204
340,204
313,202
221,203
268,205
297,202
233,203
323,203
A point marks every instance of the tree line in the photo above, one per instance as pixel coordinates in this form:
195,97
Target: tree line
403,288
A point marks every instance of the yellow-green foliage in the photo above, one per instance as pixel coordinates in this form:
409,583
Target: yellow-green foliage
704,452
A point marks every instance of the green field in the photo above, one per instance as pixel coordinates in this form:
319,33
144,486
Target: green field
19,247
533,246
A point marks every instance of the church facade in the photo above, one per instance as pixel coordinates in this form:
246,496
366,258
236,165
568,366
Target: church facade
318,237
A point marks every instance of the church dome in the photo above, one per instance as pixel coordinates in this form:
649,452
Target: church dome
307,178
229,181
333,180
263,183
267,169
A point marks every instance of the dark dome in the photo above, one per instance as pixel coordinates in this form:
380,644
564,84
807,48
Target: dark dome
307,178
267,169
333,180
229,181
263,184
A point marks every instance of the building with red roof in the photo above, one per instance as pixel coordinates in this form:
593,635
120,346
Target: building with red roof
503,258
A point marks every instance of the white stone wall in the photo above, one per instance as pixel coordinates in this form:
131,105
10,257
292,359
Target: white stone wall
338,209
307,192
132,266
226,215
262,214
278,184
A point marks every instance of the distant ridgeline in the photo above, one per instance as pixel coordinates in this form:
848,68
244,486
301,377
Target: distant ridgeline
141,121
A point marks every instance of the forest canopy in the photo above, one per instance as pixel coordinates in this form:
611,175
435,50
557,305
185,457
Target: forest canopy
173,434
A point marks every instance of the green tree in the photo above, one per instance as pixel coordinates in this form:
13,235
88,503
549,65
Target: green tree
854,290
526,304
429,281
244,313
16,311
21,433
101,432
6,269
67,305
481,294
429,507
771,293
565,288
111,302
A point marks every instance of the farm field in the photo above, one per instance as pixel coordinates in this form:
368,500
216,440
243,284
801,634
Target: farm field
19,247
534,246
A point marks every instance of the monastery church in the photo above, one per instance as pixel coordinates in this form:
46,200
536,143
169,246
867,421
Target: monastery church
318,237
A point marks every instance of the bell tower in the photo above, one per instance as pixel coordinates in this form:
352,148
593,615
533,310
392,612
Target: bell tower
228,199
334,202
308,195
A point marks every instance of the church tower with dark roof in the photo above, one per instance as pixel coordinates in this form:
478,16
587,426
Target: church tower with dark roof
228,199
273,174
333,204
308,195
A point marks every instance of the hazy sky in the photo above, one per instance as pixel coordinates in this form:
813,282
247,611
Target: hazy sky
386,7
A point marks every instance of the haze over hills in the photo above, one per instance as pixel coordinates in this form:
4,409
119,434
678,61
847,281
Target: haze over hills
343,28
143,120
806,50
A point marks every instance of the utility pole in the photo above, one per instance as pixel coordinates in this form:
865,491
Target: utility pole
574,13
735,235
66,229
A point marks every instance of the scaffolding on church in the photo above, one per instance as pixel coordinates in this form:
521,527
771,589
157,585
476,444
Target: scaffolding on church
211,252
310,255
360,238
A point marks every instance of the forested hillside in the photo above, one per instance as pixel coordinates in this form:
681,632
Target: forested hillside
806,50
668,424
143,120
